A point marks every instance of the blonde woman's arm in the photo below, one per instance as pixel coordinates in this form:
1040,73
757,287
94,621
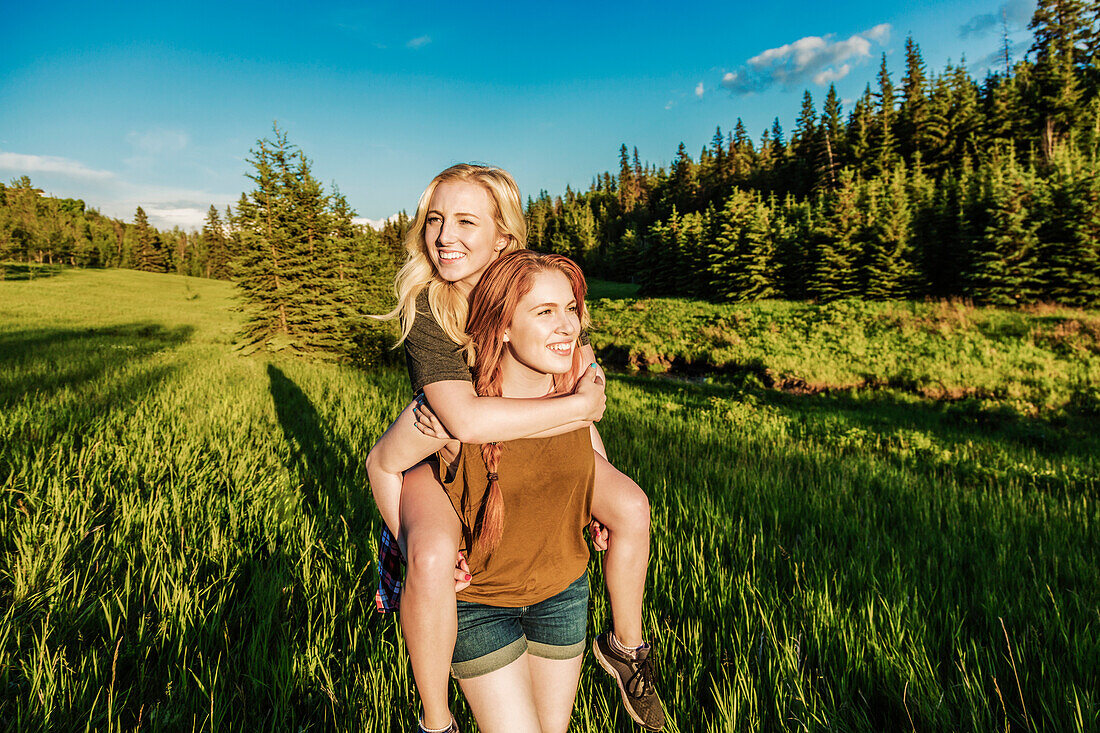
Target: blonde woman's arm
485,419
474,419
400,448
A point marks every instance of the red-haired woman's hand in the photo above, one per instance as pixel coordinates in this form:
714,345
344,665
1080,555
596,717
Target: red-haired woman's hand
599,536
462,573
590,388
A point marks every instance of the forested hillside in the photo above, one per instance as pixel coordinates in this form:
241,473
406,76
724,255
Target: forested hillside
36,228
933,184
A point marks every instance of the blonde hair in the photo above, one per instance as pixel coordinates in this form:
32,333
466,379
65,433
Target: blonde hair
448,304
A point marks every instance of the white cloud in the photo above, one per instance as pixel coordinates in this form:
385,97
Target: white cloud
880,33
828,76
113,195
699,90
1016,14
158,142
817,58
168,218
166,206
419,42
374,223
33,164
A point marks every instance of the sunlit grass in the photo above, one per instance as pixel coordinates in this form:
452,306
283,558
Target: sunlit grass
187,539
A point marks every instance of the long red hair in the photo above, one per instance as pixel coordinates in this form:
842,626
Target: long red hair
493,304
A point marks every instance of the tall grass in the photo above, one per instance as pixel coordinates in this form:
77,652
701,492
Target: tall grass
187,538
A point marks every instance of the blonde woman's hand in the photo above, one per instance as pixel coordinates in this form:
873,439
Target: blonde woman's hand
462,573
427,422
590,388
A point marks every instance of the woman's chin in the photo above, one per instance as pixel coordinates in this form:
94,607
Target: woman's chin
560,366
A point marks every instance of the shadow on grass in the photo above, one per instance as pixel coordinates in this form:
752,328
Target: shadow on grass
45,361
334,490
610,289
27,271
318,456
968,421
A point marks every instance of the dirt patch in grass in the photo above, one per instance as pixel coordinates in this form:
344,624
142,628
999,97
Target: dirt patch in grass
1080,335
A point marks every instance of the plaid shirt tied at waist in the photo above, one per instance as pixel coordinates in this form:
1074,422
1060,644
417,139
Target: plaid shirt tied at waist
390,563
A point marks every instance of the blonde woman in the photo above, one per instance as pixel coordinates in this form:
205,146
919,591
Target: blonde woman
466,218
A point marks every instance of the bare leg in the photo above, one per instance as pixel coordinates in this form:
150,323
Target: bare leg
503,700
623,508
555,686
428,613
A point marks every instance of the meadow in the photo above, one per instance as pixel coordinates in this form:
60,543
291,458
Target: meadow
866,517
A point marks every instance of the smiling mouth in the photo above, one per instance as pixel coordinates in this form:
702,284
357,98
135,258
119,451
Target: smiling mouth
451,256
562,349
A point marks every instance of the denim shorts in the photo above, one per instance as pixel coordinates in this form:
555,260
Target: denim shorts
492,637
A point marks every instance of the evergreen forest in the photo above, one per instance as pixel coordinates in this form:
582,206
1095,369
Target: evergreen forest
932,185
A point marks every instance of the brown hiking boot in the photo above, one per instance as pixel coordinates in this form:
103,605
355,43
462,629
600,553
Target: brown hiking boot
634,676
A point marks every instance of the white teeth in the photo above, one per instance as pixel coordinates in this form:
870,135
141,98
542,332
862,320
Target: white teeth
561,348
450,255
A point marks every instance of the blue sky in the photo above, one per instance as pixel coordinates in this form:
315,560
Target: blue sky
134,103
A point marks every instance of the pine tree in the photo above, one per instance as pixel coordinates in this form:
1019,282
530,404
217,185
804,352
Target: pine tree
791,235
683,180
1004,266
888,268
837,246
742,256
885,134
216,244
999,104
935,144
270,261
716,174
1070,232
913,115
626,181
689,278
804,143
363,278
832,135
741,154
1062,32
149,248
859,133
962,116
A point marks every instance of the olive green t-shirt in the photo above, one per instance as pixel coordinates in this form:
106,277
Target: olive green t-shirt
430,354
547,485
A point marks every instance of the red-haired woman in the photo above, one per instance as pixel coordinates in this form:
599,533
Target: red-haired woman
522,504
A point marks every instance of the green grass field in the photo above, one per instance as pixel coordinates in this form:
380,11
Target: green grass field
869,520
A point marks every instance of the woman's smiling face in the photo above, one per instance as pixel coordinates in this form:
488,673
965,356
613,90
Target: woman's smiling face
545,326
460,232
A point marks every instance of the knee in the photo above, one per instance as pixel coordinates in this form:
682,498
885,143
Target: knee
631,513
431,559
372,464
637,509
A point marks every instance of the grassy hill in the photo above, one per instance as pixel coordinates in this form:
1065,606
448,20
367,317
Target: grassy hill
842,539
